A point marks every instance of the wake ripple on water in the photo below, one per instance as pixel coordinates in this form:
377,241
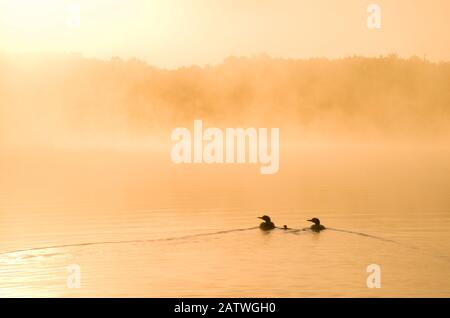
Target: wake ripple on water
295,231
175,238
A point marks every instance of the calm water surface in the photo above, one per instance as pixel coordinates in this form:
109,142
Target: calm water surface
138,225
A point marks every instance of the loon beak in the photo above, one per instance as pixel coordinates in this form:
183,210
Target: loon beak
310,220
260,217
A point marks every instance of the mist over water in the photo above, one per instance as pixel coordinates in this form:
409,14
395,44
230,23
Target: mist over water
86,178
64,99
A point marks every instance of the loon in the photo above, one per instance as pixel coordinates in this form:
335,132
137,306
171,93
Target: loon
316,227
267,225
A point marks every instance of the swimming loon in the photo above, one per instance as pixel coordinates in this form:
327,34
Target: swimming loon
316,227
267,225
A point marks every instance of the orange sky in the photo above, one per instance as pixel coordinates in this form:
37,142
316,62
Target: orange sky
170,33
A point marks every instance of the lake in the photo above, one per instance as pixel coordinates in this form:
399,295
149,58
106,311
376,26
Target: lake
138,225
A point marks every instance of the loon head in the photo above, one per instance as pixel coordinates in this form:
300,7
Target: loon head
266,218
316,221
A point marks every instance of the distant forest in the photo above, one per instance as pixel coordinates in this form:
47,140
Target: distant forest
61,94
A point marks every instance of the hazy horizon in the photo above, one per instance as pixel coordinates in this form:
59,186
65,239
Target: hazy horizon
175,33
61,99
47,55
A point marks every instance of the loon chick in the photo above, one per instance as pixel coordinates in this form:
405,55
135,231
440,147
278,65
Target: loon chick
267,225
316,227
